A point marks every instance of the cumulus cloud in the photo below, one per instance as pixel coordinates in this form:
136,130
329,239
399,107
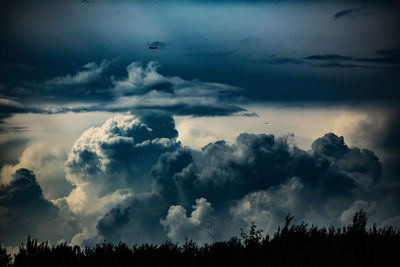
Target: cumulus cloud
112,161
221,172
24,211
135,183
259,178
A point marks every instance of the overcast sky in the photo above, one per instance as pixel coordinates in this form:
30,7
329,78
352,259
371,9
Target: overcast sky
245,112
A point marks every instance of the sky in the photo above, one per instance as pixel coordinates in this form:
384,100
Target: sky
246,111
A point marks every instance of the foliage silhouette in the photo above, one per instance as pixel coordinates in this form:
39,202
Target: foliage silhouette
293,245
5,258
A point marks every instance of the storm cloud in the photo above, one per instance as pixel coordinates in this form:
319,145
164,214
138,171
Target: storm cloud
66,66
24,211
115,159
260,178
134,182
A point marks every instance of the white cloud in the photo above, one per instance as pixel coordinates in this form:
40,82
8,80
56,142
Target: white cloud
110,162
139,78
198,226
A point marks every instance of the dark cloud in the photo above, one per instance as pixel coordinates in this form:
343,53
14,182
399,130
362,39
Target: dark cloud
146,187
110,163
221,172
112,221
197,110
258,178
135,221
9,107
381,132
331,146
163,86
207,110
126,147
24,211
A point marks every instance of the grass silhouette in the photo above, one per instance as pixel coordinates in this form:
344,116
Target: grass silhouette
291,245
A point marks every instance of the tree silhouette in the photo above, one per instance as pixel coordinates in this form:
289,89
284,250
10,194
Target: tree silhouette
291,245
5,258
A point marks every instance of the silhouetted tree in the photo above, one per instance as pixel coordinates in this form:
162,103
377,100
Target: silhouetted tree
5,258
291,245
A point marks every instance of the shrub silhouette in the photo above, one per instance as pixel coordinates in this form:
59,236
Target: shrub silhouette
291,245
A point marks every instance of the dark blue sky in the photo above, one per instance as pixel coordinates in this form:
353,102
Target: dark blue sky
278,51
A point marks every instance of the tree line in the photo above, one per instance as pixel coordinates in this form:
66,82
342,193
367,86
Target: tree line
291,245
